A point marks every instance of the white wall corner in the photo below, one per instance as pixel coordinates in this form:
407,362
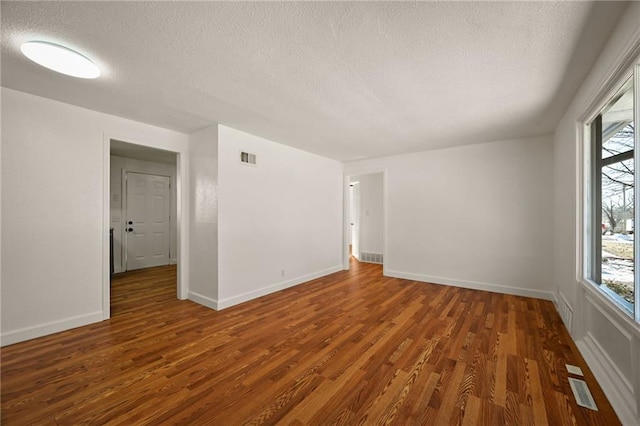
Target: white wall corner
617,388
28,333
184,223
473,285
204,300
106,224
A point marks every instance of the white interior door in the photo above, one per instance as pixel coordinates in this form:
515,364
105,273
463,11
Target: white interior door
147,221
355,220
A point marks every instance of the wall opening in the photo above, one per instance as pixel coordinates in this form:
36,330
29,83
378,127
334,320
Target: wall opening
365,214
133,230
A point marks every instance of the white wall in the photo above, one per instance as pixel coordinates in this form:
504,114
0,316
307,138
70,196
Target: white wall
608,339
280,222
53,221
1,239
371,212
203,235
478,216
118,165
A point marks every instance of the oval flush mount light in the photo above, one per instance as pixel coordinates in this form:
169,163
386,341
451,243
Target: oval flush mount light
61,59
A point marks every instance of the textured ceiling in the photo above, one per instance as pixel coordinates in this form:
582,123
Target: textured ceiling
344,80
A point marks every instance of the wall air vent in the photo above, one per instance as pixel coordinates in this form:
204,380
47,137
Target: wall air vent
566,313
247,158
370,257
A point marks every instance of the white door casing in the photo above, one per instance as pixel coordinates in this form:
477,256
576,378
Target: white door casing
355,220
147,227
350,214
349,209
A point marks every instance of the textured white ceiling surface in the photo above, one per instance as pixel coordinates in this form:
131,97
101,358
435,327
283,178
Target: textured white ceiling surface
343,80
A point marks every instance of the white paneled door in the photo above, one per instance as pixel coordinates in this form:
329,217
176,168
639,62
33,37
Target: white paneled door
147,221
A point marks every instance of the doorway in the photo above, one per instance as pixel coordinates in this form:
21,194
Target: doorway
143,211
354,219
365,233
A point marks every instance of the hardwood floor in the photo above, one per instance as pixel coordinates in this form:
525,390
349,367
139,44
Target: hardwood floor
350,348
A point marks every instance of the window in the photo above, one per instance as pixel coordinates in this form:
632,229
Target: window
611,261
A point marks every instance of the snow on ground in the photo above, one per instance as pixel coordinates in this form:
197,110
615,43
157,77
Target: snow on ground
618,270
615,268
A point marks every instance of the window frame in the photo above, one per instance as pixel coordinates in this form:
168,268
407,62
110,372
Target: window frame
636,138
591,238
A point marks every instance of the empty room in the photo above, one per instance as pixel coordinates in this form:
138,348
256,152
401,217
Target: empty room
310,213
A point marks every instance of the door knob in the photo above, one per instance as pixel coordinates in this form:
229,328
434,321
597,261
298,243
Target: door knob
130,222
130,230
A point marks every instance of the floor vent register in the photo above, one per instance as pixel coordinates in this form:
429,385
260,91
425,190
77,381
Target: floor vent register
580,389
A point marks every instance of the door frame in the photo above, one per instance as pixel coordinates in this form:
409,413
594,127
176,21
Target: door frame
182,214
346,229
357,218
124,235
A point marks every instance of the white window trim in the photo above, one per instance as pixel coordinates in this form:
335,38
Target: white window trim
636,120
619,74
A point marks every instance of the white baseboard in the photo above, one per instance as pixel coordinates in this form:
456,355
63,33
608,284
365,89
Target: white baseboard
28,333
203,300
173,262
516,291
613,383
244,297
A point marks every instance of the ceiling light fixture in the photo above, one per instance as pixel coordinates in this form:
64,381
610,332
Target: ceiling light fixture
61,59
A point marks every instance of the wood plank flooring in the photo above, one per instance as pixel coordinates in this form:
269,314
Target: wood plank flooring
350,348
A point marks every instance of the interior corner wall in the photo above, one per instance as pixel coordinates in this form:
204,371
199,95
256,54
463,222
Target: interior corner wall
118,220
477,216
608,338
371,212
203,220
280,221
53,226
